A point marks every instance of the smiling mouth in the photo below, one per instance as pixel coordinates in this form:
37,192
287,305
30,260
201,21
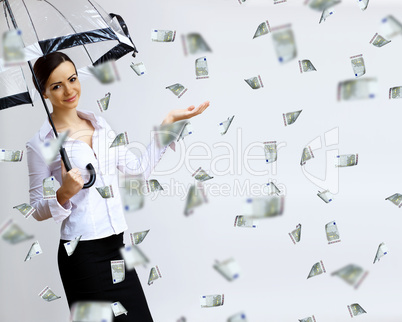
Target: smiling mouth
71,99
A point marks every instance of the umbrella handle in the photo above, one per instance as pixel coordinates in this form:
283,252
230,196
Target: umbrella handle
89,167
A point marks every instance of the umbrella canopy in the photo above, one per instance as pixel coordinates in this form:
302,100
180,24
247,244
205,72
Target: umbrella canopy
79,28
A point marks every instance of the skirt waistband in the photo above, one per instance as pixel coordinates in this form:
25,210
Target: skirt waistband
109,240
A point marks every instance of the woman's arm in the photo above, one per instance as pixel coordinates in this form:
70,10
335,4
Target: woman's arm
45,209
185,113
129,163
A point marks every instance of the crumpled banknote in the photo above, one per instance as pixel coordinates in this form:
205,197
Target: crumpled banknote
103,103
137,238
295,235
154,274
381,251
48,295
105,73
284,43
395,92
139,68
120,139
291,117
317,269
201,175
262,29
118,272
305,66
255,82
195,44
229,269
331,230
355,89
25,209
351,274
246,222
396,199
118,309
177,89
86,311
34,250
325,196
71,245
12,233
358,66
224,126
379,40
201,68
355,309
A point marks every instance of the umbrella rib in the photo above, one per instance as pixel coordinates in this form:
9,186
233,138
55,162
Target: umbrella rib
70,26
5,15
30,18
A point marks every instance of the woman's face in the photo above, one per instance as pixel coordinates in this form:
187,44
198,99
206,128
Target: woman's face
63,88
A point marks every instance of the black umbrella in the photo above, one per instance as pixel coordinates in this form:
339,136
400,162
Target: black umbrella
82,28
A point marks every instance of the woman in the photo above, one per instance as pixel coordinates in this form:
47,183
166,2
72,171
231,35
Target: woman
86,274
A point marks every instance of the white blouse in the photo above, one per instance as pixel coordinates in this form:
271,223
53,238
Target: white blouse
87,213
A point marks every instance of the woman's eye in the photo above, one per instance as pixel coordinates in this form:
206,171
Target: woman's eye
73,79
56,87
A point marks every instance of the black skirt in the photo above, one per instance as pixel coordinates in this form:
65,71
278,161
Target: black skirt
87,276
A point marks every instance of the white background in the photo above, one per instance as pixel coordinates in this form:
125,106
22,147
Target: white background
272,285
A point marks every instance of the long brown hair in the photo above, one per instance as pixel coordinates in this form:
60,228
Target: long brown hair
45,65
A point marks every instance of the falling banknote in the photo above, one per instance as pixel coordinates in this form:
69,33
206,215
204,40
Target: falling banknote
201,68
255,82
120,139
12,233
177,89
305,66
262,207
320,5
224,126
106,73
270,151
154,274
106,191
382,250
295,235
284,43
72,245
50,148
103,103
133,256
272,189
137,238
325,196
396,199
10,155
355,309
195,197
118,309
212,300
317,269
357,89
48,295
245,222
91,312
118,272
229,269
49,190
195,44
395,92
167,134
239,317
34,250
390,27
332,232
291,117
379,41
139,68
201,175
327,12
363,4
153,185
262,29
132,194
25,209
358,66
163,35
351,274
346,160
308,319
306,155
13,47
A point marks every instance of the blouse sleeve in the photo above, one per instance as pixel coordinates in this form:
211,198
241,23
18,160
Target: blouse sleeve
129,163
38,170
